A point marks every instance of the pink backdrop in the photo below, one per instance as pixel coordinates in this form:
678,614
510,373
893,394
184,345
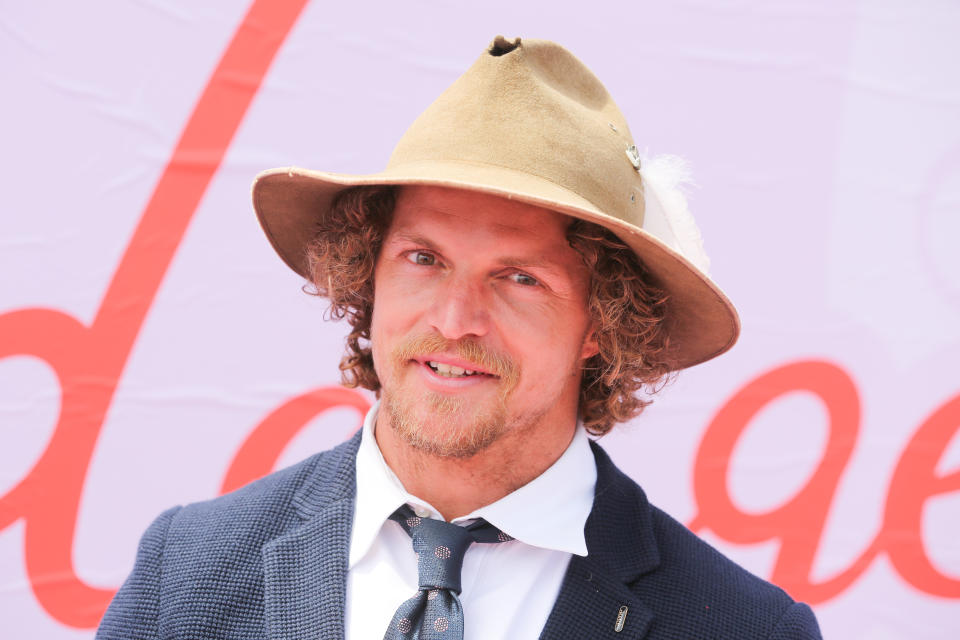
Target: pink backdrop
154,350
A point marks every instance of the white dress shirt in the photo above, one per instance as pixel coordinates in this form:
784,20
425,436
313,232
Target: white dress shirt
508,588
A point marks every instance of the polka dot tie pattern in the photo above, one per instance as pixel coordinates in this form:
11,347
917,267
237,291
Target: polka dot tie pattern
435,613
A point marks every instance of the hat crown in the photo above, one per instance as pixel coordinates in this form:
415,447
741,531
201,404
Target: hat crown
532,107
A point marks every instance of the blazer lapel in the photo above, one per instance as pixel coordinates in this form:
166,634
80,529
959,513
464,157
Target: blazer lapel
305,568
595,600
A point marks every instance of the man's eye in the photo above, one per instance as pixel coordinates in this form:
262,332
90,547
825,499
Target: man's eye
422,258
524,279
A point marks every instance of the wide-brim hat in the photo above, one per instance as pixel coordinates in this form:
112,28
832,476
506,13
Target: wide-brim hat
530,122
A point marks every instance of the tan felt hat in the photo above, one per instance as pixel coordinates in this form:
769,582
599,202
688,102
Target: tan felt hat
529,121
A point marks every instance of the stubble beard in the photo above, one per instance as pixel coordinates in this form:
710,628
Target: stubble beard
445,426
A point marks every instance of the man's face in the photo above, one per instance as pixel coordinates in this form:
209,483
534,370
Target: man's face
471,282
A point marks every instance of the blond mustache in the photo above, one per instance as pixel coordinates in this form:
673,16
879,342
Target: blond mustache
482,357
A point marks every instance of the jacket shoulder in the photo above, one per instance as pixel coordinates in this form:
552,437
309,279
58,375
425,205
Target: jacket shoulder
719,597
692,589
194,559
268,505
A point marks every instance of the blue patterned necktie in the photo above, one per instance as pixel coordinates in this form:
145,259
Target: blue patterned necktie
434,613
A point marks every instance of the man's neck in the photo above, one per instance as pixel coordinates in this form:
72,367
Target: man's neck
459,486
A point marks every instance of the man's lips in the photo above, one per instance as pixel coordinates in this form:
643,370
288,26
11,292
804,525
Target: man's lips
445,382
452,361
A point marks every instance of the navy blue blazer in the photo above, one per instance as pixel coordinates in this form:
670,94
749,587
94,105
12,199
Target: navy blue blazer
270,561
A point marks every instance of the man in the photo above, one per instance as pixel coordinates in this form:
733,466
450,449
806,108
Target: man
513,279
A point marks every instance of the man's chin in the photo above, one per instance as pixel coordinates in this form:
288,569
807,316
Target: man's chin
444,427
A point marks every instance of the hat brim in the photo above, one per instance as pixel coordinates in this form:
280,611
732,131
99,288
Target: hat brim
701,321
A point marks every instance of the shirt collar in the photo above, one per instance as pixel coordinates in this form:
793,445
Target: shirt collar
548,512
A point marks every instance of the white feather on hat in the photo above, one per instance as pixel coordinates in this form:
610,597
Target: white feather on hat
667,215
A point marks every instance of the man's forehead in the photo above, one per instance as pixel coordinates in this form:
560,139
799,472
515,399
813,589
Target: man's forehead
420,208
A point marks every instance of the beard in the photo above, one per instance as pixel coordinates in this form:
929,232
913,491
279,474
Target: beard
445,426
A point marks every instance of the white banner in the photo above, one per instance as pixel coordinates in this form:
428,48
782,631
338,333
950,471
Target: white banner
155,351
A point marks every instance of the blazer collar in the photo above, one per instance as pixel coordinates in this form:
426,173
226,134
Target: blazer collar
305,568
595,600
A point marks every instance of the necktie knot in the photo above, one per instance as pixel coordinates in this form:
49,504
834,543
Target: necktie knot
440,548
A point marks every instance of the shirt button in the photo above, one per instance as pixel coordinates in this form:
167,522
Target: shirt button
422,512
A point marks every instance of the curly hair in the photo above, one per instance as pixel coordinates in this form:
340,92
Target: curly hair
627,309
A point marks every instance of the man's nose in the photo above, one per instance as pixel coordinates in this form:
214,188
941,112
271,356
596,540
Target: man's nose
460,309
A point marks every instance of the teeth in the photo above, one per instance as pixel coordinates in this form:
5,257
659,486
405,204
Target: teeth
449,370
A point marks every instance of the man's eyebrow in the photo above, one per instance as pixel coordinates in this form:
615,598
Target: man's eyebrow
414,239
532,262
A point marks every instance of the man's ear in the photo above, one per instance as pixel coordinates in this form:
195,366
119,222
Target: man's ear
590,345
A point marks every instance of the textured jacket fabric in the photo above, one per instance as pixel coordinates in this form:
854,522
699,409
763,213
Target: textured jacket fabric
270,561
